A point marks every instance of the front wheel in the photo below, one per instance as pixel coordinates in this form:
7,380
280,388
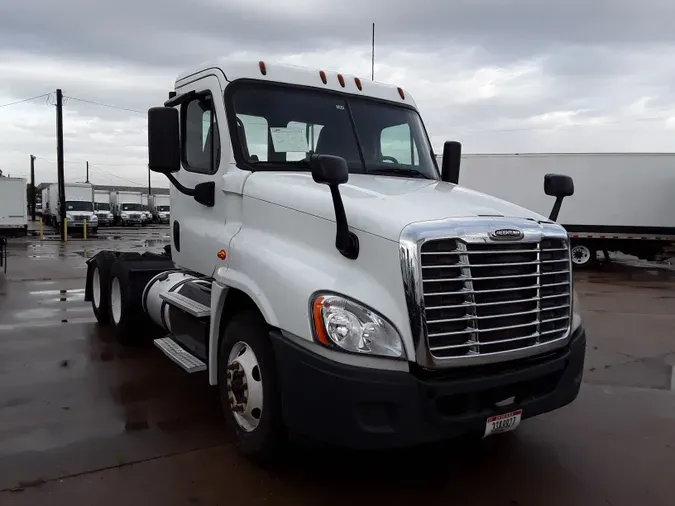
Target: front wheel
249,388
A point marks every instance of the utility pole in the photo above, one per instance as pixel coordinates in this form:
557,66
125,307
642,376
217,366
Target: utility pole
32,186
372,57
149,188
87,171
59,163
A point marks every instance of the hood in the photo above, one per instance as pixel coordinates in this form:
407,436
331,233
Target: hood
380,205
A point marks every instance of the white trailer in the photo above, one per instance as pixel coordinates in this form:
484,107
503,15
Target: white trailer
160,206
79,209
345,290
622,201
13,206
102,207
127,207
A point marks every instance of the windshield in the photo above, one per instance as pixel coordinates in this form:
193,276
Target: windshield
163,209
78,206
132,207
102,206
279,125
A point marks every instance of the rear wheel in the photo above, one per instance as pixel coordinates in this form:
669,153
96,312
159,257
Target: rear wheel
248,384
100,285
131,324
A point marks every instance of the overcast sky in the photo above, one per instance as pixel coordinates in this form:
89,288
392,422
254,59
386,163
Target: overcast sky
498,75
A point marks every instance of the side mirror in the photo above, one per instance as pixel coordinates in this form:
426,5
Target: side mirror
163,140
333,171
558,186
329,169
452,157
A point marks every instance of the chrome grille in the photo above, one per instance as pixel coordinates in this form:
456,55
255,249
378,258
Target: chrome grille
486,298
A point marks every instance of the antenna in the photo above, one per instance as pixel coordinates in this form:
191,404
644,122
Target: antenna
372,57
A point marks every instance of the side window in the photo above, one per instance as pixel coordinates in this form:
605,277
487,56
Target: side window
253,132
397,142
201,139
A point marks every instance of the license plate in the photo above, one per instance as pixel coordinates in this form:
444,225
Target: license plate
503,423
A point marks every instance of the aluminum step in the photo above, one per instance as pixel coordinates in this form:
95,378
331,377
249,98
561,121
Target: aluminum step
183,358
186,304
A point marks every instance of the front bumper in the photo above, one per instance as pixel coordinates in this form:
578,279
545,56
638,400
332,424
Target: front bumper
370,409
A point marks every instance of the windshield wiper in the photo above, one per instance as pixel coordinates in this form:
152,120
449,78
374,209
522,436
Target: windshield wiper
398,171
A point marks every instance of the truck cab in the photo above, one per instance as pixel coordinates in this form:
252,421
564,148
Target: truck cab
331,279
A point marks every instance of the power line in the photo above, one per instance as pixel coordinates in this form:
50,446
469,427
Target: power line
25,100
115,175
106,105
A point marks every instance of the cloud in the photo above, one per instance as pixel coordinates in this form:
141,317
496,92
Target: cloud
522,75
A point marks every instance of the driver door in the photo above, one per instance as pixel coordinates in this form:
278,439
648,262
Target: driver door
197,229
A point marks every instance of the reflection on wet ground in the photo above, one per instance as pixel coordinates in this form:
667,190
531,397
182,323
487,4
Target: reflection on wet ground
84,420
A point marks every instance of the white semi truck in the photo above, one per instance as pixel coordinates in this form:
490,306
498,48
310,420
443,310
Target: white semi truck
160,205
127,207
103,208
79,201
612,210
343,289
13,206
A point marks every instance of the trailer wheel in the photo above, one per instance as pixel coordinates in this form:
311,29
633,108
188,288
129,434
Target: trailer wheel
583,255
100,285
249,389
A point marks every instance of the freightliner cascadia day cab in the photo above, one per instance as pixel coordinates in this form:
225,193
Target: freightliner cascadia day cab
330,279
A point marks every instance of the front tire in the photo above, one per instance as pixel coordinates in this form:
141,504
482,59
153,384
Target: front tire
249,387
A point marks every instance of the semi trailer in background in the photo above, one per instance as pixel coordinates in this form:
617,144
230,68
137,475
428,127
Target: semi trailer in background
13,206
79,200
102,207
623,202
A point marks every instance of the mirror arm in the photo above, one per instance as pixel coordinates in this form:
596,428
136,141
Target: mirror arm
556,209
183,189
346,241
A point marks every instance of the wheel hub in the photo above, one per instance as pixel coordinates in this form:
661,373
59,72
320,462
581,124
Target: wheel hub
237,387
244,386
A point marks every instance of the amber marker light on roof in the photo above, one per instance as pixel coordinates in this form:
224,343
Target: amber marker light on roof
342,80
263,68
358,83
323,76
400,92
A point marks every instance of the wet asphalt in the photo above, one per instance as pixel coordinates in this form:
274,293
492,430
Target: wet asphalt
86,421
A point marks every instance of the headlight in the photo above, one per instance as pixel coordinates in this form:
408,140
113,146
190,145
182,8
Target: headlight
352,327
94,218
69,216
576,311
110,216
125,215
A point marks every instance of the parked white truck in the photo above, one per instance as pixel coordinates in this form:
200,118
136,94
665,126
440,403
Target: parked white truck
160,205
145,201
103,208
79,200
338,289
612,210
13,207
127,207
